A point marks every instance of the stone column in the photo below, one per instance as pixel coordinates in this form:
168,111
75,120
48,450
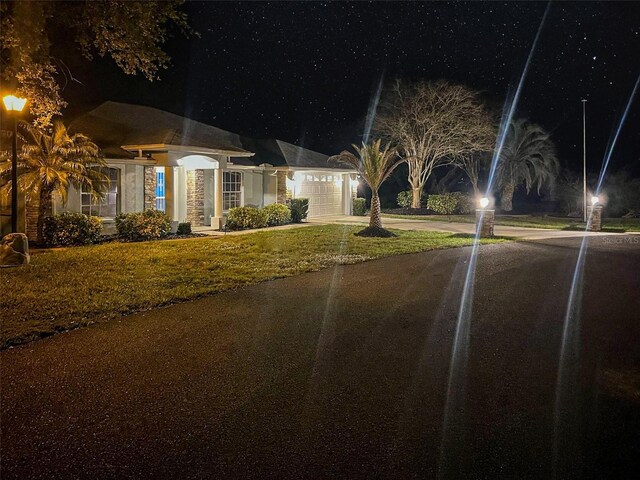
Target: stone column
594,218
32,208
281,186
484,222
149,188
195,197
216,221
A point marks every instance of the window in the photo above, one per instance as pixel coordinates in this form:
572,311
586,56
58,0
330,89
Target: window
231,190
160,190
108,206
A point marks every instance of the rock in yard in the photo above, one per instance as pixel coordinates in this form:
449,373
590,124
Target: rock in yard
14,250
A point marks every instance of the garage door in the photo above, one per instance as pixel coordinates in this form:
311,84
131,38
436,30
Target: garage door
324,193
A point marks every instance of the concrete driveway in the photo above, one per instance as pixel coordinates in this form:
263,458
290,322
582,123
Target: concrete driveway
345,373
433,226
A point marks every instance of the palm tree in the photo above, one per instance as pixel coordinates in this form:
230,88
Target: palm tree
528,156
51,163
374,165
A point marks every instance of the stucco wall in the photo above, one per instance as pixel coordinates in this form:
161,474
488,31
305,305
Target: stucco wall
130,194
269,187
253,188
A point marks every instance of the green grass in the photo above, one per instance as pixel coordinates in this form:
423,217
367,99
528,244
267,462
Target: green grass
530,221
70,287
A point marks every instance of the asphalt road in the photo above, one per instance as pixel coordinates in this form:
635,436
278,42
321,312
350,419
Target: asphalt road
344,373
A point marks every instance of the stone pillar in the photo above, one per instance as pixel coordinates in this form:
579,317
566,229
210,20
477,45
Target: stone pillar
32,208
281,186
195,197
216,220
484,222
594,218
149,188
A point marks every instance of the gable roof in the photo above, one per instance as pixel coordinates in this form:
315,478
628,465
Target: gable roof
113,125
283,154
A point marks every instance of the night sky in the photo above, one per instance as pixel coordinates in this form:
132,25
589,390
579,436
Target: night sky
306,72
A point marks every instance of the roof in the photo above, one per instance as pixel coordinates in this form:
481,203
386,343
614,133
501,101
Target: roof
283,154
113,125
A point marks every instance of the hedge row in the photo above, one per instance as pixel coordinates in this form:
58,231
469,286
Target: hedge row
444,204
242,218
68,228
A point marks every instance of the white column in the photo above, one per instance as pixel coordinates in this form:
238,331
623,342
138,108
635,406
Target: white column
217,198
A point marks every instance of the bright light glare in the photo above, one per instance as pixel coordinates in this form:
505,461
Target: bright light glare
595,200
13,103
484,202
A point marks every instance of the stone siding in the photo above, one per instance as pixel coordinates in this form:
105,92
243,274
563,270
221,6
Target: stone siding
149,188
195,197
281,193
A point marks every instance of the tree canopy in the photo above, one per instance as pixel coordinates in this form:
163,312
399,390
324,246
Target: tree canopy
132,33
433,123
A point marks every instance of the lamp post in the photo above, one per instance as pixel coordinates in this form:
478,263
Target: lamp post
584,159
14,106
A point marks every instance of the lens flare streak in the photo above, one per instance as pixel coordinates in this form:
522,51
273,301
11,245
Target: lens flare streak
612,144
510,107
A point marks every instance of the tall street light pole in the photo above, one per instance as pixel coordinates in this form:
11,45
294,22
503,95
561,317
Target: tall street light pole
584,160
14,106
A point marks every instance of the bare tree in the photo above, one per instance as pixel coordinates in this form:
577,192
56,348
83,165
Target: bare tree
433,124
473,165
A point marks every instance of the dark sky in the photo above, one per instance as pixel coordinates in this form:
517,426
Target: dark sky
306,72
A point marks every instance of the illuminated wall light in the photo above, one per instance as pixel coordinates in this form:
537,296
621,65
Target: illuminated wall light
595,200
484,202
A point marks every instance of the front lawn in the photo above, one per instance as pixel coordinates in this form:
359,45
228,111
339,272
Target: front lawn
69,287
531,221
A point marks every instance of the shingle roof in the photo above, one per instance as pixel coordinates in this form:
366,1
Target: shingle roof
113,124
280,153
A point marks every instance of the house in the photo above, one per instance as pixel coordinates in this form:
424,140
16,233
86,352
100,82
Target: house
196,172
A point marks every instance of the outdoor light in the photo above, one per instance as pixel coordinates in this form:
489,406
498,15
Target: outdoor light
594,200
13,103
484,202
354,183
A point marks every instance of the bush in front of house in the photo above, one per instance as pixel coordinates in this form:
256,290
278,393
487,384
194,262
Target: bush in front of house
148,225
444,204
359,207
70,228
277,214
241,218
299,209
184,228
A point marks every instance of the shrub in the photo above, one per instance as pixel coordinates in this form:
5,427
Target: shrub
241,218
444,204
464,203
299,209
277,214
147,225
404,199
184,228
359,207
71,229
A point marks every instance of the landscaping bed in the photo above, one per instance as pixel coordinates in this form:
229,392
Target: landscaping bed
65,288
